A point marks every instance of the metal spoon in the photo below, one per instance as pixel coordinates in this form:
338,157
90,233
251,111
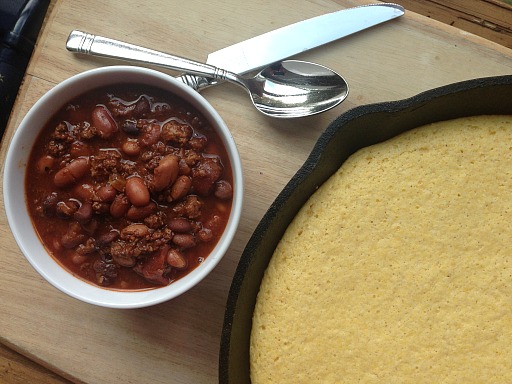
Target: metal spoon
285,89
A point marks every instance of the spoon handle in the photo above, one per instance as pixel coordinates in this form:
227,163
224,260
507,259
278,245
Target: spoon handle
94,45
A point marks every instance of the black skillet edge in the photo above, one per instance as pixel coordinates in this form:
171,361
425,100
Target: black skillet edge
354,129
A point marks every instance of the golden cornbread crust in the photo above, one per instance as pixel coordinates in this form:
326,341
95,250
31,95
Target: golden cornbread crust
399,268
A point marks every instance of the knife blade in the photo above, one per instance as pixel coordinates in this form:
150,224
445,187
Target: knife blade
293,39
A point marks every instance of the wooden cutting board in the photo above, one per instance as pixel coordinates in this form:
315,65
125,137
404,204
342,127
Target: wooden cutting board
178,341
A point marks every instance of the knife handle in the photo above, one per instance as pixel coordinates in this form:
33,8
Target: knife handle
89,44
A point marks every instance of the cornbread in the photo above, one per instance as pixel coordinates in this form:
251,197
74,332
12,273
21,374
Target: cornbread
399,268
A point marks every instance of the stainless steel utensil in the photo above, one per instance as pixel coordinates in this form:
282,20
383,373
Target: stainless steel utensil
285,89
293,39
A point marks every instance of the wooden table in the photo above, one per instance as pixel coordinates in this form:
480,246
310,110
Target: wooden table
48,337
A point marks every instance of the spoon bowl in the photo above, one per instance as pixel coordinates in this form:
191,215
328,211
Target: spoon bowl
285,89
297,88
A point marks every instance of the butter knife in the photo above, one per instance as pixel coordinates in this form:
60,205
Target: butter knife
253,53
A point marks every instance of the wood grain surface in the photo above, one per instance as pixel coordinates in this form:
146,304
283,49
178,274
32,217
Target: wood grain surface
49,337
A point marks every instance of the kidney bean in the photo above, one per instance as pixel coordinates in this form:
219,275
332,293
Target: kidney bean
125,260
181,187
79,149
84,213
180,225
100,207
84,192
137,192
103,122
142,107
88,247
105,272
184,240
135,213
72,172
107,237
150,134
66,209
165,173
131,147
79,259
223,190
205,235
134,231
49,204
106,193
130,126
176,259
118,182
90,226
45,164
73,236
184,168
154,267
205,174
119,206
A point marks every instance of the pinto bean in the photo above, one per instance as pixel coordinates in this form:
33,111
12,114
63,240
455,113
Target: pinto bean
45,164
153,268
73,236
106,272
166,172
205,235
184,168
103,121
79,149
84,192
66,209
181,187
106,193
135,213
49,205
131,147
180,225
176,259
134,231
137,191
205,174
150,135
84,213
130,126
223,190
184,240
107,238
142,107
125,260
214,224
90,226
72,172
119,206
78,258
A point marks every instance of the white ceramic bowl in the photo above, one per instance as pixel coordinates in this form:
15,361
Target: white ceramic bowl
14,187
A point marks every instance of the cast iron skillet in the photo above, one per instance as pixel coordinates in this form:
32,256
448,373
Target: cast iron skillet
355,129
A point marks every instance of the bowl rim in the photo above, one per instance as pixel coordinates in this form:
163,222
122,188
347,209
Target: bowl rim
15,163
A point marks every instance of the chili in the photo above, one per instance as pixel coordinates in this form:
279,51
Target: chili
129,187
